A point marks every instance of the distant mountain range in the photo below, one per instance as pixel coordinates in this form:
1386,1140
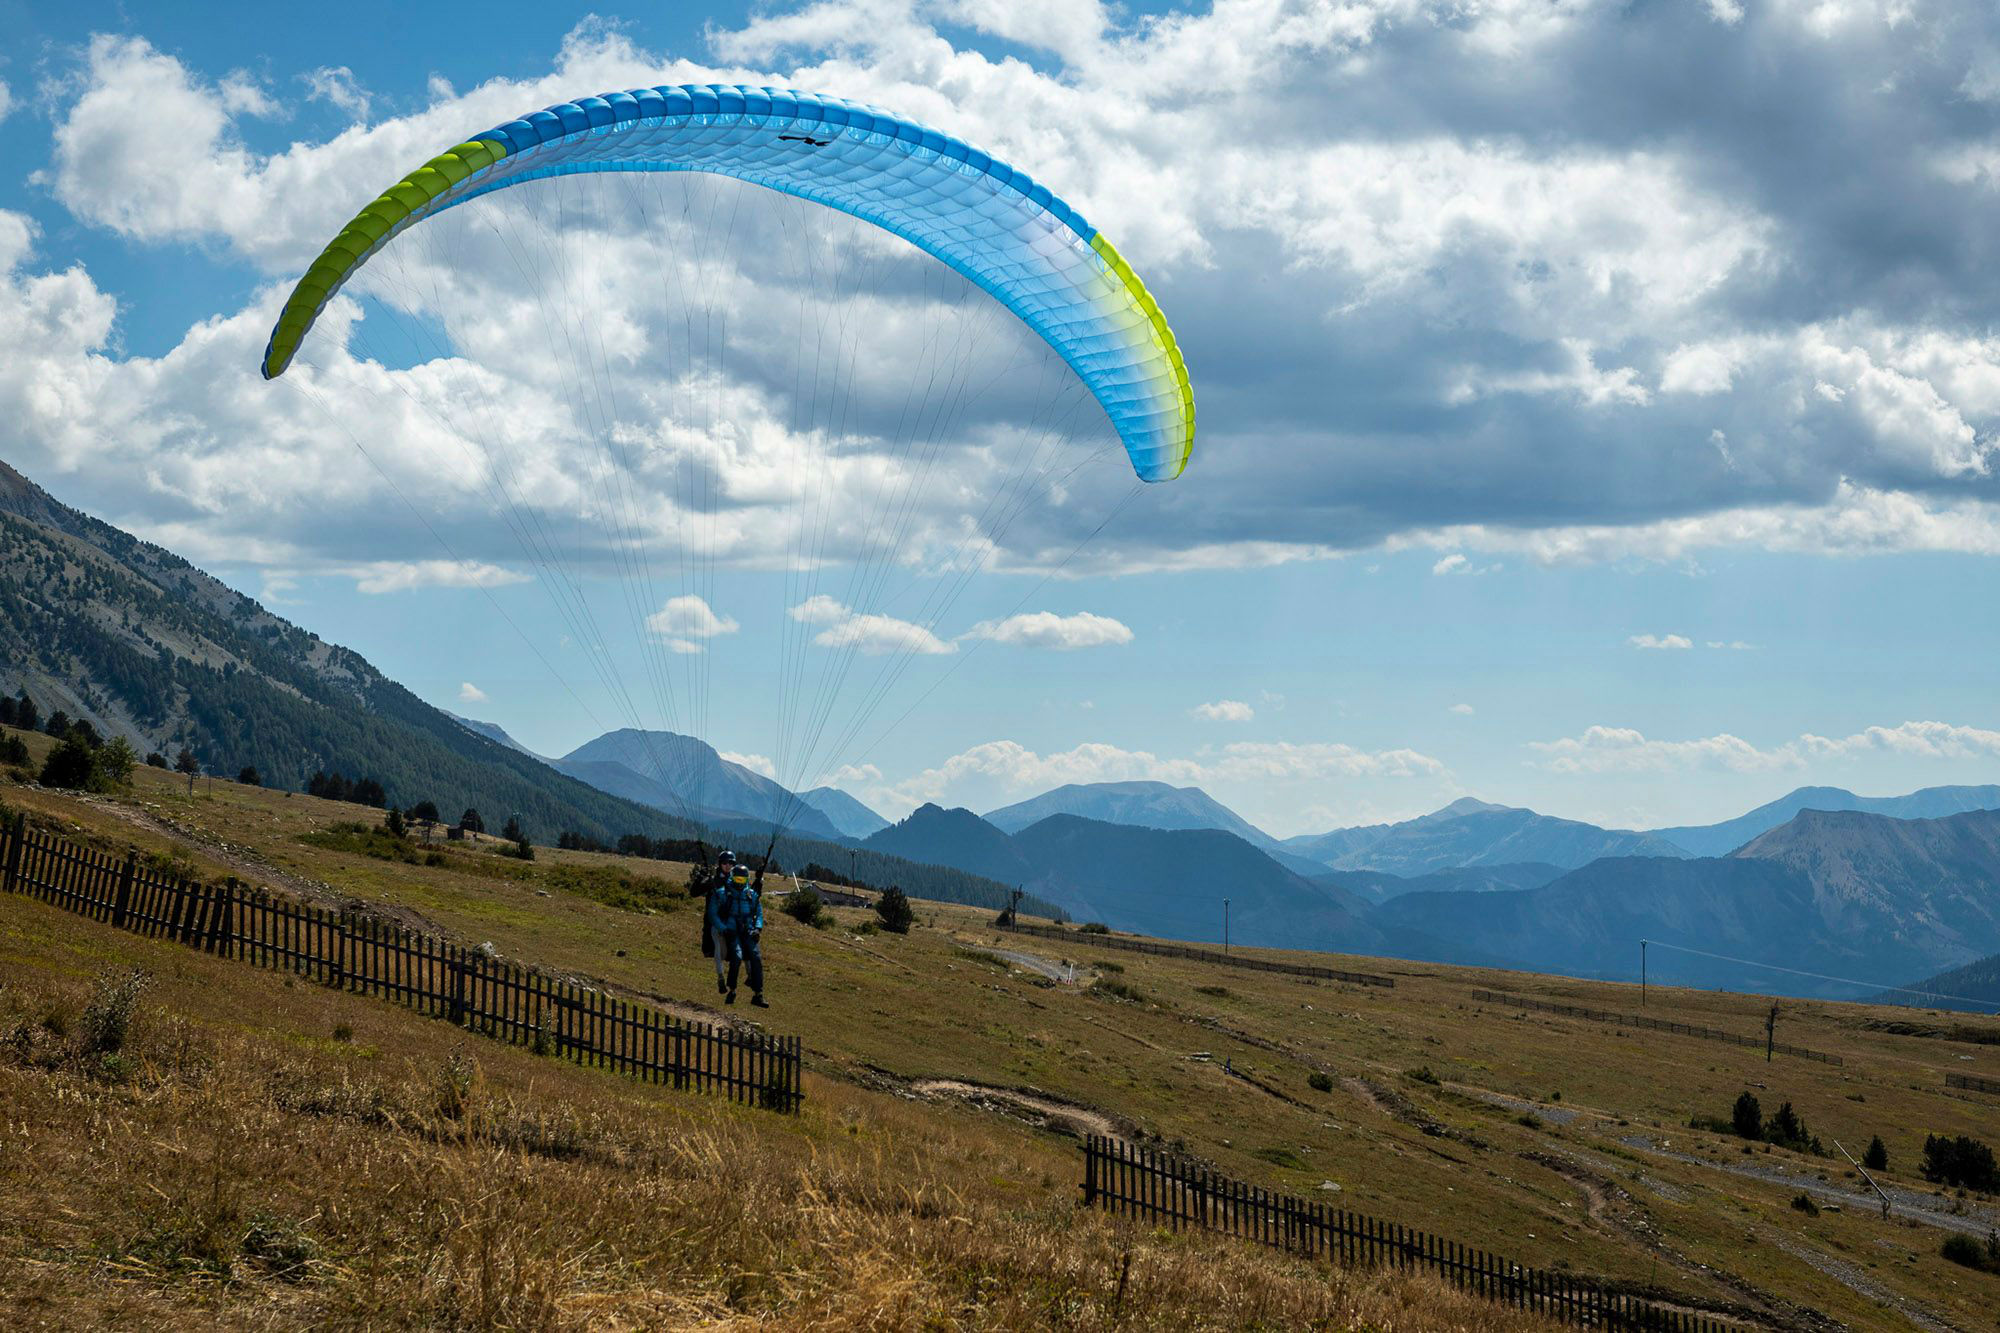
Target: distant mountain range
1473,833
1929,803
849,816
1158,881
685,776
1844,894
137,641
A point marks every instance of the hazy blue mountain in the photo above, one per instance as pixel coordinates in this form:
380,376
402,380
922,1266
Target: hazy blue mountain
1172,882
1332,847
1169,882
684,776
492,731
847,815
1842,893
1146,805
1379,886
956,838
1476,833
1727,836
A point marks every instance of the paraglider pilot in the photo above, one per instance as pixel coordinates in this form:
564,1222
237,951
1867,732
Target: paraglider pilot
736,921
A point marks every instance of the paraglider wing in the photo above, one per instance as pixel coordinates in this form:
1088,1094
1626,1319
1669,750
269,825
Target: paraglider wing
1020,243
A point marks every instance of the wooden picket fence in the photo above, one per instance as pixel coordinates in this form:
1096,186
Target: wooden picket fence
1973,1083
352,951
1133,944
1651,1024
1162,1189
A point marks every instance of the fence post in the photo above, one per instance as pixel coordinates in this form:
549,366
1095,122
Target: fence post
123,905
14,850
1090,1171
220,918
457,965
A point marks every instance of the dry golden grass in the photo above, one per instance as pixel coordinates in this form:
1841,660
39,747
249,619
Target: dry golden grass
234,1163
1624,1189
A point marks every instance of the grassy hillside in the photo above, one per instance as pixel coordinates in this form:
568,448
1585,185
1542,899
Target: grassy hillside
270,1156
1551,1140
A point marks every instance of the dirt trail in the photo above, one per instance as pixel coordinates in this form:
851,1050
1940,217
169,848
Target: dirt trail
1918,1207
257,870
1856,1281
1037,1108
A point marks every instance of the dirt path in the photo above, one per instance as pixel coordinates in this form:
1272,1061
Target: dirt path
1916,1206
1047,967
1037,1108
254,868
1847,1275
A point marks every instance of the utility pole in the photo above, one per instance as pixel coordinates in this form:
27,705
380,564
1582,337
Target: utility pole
1770,1031
1225,925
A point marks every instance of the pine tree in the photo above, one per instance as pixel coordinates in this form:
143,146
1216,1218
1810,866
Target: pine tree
893,908
250,777
1748,1117
1877,1156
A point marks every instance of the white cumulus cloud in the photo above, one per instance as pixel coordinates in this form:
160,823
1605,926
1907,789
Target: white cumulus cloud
756,763
384,576
1460,710
687,620
1670,642
869,633
1601,749
1046,629
1223,710
468,693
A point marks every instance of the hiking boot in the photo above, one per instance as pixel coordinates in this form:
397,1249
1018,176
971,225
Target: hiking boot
721,986
729,998
758,1000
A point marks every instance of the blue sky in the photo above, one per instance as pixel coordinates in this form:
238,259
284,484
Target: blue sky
1597,402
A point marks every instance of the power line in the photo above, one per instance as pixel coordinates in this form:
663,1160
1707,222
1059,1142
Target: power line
1822,976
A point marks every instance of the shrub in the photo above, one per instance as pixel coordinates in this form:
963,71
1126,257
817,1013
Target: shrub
250,777
13,750
893,910
1877,1156
1319,1082
392,823
1747,1117
156,760
1094,928
803,905
1960,1161
1119,989
1803,1202
69,766
107,1019
1422,1075
1218,991
1972,1254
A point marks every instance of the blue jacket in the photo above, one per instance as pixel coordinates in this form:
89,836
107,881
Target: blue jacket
733,908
